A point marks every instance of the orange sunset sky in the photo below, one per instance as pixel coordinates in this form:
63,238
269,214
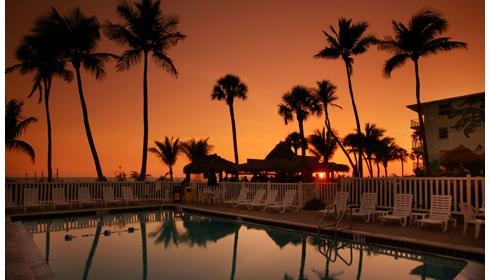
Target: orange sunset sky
270,46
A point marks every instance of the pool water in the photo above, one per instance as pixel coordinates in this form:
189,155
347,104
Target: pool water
168,244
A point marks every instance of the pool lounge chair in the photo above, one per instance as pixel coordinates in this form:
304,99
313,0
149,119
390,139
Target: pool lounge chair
258,197
469,214
242,196
367,207
108,195
401,210
287,202
59,198
9,199
269,199
31,198
338,207
440,212
127,195
84,197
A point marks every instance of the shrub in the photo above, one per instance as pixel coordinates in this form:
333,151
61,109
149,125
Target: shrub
314,204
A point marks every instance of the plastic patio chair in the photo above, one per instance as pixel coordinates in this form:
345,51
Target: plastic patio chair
127,195
31,198
59,198
440,211
367,207
258,197
469,214
337,207
108,195
401,210
287,202
242,196
269,199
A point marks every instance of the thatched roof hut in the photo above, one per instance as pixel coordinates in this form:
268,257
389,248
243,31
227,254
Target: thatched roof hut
210,163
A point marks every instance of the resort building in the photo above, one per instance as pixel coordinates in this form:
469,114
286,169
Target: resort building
453,125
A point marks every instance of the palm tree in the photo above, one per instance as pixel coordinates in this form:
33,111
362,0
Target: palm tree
80,37
402,155
294,140
322,145
145,30
419,39
168,152
228,88
38,57
386,152
301,103
196,149
15,125
326,94
348,41
372,137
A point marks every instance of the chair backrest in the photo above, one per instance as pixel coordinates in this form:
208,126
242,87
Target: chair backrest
108,193
84,194
368,202
59,195
127,193
9,199
242,196
340,200
288,197
440,207
259,196
271,196
403,204
468,212
31,197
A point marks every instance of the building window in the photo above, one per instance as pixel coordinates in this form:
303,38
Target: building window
445,109
443,133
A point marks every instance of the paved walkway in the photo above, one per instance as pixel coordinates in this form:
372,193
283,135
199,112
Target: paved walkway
23,260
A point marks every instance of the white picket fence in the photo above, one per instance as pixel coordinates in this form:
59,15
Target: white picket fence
462,189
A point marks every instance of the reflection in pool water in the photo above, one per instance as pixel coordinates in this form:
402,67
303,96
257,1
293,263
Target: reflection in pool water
172,245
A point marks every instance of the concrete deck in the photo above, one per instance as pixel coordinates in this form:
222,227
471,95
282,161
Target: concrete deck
23,260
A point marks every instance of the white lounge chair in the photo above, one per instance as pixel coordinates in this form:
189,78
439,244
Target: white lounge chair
84,197
242,196
367,207
258,197
287,202
269,199
440,211
108,195
31,198
338,205
127,195
59,198
469,214
401,210
9,199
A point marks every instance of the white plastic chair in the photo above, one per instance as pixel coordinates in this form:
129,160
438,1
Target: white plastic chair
108,195
338,205
128,196
401,210
242,196
469,214
85,198
367,207
440,212
258,197
269,199
58,198
287,202
31,198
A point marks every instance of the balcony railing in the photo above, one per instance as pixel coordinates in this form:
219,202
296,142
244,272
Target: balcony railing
414,124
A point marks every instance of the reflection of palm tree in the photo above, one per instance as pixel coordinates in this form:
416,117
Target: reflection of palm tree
145,30
37,55
167,232
91,254
303,258
235,248
228,88
302,103
144,252
414,41
345,43
167,151
15,125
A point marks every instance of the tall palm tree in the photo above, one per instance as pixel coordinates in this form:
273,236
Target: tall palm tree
419,39
372,137
322,144
228,88
348,41
294,140
386,152
196,149
168,152
326,93
15,125
145,30
80,37
299,102
402,156
37,56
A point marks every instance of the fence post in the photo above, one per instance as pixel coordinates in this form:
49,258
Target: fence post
300,194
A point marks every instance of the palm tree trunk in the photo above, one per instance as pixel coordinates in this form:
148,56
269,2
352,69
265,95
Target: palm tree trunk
358,123
86,123
171,173
235,248
329,130
233,131
302,134
145,118
47,89
143,246
401,159
48,238
421,118
303,259
91,254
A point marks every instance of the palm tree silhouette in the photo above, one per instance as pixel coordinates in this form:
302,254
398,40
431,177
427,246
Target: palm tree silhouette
301,103
167,151
402,155
15,125
80,37
195,150
348,41
37,56
228,88
326,94
419,39
372,139
294,140
145,30
322,144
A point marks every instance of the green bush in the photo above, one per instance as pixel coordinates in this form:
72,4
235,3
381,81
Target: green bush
314,204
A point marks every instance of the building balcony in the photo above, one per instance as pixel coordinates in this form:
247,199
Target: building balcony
414,124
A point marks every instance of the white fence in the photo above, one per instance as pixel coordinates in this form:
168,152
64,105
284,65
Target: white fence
462,189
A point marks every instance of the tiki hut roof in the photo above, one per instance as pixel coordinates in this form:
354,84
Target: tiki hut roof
208,163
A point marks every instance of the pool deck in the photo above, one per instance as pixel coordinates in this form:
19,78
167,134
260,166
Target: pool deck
23,260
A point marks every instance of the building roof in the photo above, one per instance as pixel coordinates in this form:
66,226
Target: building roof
413,107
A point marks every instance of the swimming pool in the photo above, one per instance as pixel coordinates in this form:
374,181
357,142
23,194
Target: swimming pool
169,244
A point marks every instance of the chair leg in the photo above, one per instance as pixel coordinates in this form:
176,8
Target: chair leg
465,226
477,230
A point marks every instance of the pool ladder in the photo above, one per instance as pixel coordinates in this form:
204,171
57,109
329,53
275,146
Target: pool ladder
335,225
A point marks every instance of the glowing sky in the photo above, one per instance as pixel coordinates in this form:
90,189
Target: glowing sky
270,46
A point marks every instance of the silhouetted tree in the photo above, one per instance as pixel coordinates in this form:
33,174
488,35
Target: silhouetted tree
372,141
299,102
294,140
228,88
145,30
15,126
348,41
419,39
167,151
196,149
322,144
